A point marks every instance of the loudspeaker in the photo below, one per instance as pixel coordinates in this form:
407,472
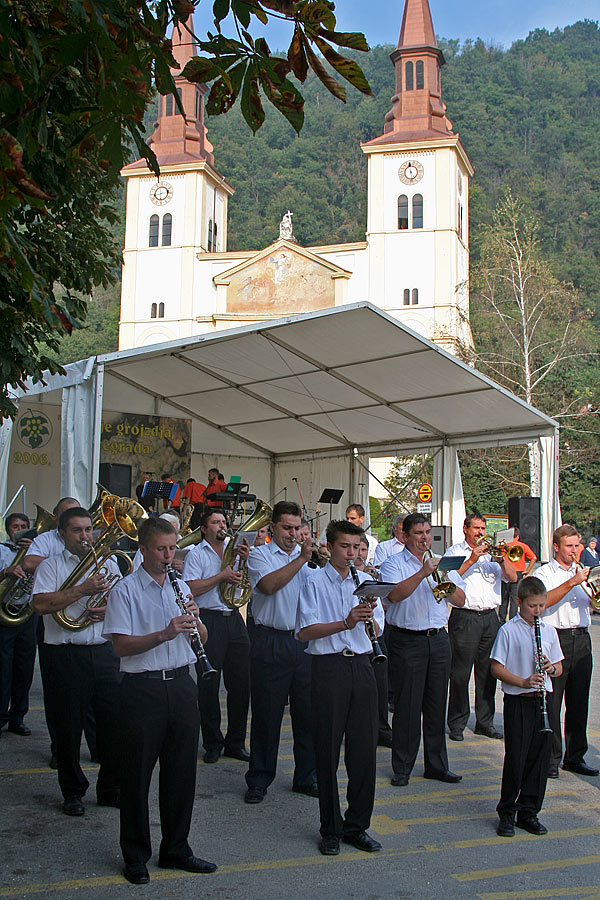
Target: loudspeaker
524,512
441,539
116,478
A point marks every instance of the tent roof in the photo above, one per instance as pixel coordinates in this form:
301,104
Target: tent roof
335,379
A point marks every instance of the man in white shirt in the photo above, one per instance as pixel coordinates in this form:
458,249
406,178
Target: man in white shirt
420,655
82,668
228,645
48,543
159,706
473,629
355,513
344,691
394,545
568,609
279,667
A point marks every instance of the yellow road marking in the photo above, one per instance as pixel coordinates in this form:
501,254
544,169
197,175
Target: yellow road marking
540,866
590,891
389,825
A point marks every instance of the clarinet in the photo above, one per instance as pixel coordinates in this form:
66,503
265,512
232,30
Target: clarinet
378,654
539,668
206,670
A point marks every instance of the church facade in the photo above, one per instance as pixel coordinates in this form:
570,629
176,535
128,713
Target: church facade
179,279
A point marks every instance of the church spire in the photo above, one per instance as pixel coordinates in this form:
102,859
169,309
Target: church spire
175,139
418,112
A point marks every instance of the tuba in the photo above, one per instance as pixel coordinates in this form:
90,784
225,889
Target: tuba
442,589
237,595
15,592
122,517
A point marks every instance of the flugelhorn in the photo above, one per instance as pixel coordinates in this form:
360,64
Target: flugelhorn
15,591
501,549
122,517
442,589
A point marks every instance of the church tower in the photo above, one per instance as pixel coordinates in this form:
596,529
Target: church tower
170,220
418,187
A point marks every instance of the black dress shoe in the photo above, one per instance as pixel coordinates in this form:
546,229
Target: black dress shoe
506,826
187,864
362,841
211,756
255,794
384,739
488,732
72,806
329,845
311,790
552,770
456,735
448,777
531,824
19,728
580,769
237,753
399,780
137,873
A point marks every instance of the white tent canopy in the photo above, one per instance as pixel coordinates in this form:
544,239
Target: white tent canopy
301,398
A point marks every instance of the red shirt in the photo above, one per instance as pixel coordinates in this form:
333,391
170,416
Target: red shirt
217,487
176,501
521,564
194,492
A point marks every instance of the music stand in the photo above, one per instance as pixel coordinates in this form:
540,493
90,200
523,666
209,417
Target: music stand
331,496
164,489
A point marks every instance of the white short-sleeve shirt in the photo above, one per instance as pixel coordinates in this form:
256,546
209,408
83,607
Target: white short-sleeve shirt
276,610
420,610
203,562
483,580
515,649
573,611
386,549
46,544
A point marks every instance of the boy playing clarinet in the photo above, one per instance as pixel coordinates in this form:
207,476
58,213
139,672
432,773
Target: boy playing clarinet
525,664
344,690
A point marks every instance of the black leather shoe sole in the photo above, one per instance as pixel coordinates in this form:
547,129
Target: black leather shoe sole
533,826
362,841
489,733
254,795
211,756
329,846
399,780
136,874
580,769
240,754
21,729
505,828
456,736
553,772
191,864
446,777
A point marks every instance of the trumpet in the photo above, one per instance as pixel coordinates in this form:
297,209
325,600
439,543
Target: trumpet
442,589
591,590
500,550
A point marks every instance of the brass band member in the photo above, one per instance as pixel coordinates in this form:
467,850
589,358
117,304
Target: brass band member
344,691
82,668
159,706
420,652
228,645
17,642
568,609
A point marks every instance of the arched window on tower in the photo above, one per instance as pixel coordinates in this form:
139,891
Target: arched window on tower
167,225
161,310
169,105
197,104
420,74
402,212
409,76
176,110
215,243
153,231
415,296
407,296
210,235
153,311
417,211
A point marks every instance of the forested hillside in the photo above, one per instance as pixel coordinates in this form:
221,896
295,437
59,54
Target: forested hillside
529,118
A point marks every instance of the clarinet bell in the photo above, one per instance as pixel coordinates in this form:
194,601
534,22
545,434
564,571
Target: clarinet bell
378,654
204,668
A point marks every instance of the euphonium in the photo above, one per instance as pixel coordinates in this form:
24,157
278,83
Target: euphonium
15,592
122,517
237,595
442,589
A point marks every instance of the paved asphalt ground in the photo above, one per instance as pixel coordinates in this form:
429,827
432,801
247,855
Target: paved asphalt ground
439,840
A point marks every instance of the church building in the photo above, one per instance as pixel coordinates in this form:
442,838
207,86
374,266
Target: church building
180,280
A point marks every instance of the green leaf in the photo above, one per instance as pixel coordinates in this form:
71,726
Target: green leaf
242,11
200,70
354,40
332,85
297,56
252,108
220,10
347,68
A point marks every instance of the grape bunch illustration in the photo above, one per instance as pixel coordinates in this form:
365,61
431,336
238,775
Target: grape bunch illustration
34,429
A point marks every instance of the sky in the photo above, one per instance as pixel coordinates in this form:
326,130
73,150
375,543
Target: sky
497,21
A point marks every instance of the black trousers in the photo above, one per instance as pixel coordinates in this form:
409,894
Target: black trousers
279,668
344,703
17,660
420,669
574,686
79,676
526,756
509,599
472,637
228,649
160,723
381,672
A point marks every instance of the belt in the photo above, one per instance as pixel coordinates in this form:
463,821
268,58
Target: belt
476,612
161,674
573,630
427,632
531,695
275,630
218,612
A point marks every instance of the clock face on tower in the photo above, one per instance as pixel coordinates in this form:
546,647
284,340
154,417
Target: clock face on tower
161,193
410,172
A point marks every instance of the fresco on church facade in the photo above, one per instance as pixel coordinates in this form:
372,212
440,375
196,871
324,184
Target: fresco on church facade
282,282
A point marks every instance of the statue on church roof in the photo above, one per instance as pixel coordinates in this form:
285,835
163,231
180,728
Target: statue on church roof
285,227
